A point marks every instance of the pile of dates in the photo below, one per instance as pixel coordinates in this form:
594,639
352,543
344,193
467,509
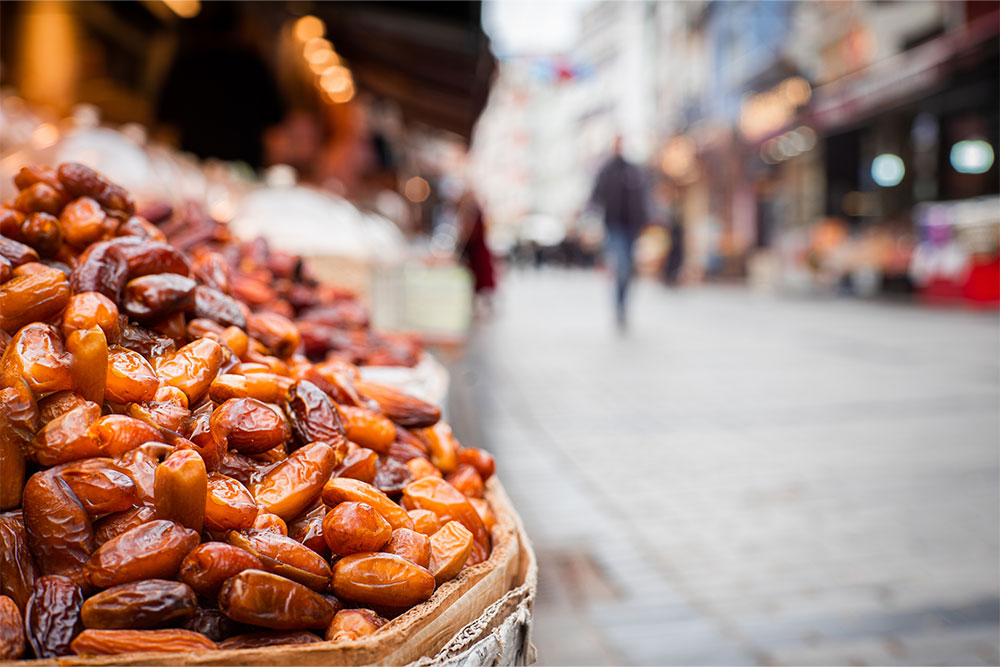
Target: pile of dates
177,474
331,321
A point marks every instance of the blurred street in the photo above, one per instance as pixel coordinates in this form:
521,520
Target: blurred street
741,479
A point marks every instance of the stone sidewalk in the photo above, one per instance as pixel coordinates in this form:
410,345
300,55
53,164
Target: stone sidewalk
741,479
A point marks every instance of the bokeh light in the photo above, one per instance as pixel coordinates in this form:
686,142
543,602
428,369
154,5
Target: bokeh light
309,27
417,189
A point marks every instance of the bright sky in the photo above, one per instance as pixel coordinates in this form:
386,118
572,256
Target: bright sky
539,27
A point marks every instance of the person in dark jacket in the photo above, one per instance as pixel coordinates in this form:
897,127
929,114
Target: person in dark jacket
620,190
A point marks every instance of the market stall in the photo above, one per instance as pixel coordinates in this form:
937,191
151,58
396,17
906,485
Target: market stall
195,466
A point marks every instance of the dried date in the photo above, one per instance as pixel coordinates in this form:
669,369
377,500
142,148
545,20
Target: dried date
353,527
11,630
115,642
289,487
52,618
146,604
151,550
382,580
210,564
272,601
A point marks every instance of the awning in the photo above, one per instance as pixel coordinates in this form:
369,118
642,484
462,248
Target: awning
899,79
432,58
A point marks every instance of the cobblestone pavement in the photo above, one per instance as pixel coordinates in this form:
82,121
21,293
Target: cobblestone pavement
741,479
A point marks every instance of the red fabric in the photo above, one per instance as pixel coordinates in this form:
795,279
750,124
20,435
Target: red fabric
477,256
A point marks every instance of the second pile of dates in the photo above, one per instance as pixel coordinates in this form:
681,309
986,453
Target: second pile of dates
177,474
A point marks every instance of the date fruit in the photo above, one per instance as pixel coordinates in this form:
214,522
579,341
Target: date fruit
352,624
339,490
210,564
151,550
450,549
181,489
146,604
59,532
229,505
272,601
11,630
52,618
405,410
352,527
115,642
411,545
289,487
381,580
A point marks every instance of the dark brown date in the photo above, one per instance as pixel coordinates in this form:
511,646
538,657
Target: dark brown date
142,228
103,268
212,623
146,257
391,476
272,601
146,342
17,567
146,604
313,415
155,296
214,305
52,618
16,253
151,550
212,270
81,181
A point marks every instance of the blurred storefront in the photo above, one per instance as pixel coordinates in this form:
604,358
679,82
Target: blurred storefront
816,160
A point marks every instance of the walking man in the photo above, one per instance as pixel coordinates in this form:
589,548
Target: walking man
620,190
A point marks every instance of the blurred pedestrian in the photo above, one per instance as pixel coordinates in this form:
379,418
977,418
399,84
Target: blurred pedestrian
475,253
620,190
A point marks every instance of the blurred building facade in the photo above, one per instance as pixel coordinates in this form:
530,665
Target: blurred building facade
799,143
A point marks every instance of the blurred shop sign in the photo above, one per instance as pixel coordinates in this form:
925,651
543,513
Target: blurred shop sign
765,113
